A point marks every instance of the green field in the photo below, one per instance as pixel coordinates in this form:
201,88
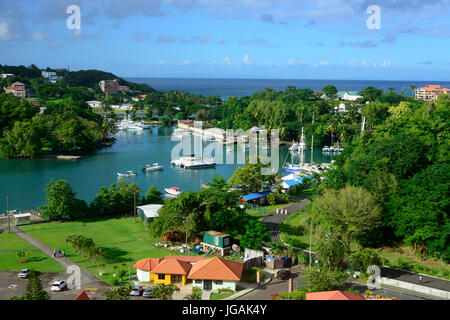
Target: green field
122,240
266,209
10,244
220,296
295,231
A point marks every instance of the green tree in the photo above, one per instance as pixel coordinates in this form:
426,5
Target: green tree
35,291
61,202
255,234
330,90
333,251
154,196
249,179
350,212
119,293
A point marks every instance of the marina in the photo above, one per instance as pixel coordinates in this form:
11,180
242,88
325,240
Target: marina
131,151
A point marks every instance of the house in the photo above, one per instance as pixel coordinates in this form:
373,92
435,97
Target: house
50,76
348,95
258,198
148,212
124,88
18,89
95,104
217,242
342,109
185,124
167,270
82,296
289,184
6,75
430,92
124,106
333,295
216,273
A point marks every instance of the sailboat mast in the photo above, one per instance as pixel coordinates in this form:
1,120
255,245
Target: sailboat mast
312,150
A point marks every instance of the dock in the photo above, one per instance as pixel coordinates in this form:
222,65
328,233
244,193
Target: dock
68,157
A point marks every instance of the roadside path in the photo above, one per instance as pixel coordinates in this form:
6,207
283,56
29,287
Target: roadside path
273,219
86,276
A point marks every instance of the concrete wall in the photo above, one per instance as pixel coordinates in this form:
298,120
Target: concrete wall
225,284
414,287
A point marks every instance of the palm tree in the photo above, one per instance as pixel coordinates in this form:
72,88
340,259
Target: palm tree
412,87
164,291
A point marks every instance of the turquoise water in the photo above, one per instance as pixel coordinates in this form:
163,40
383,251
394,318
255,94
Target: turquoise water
24,180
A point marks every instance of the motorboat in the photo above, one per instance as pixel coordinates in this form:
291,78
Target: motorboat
326,149
294,146
174,191
129,173
153,167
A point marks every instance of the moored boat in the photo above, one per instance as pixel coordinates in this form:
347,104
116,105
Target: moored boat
153,167
174,191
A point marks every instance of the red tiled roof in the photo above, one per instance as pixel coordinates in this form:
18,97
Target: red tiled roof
333,295
147,264
191,259
82,296
216,269
434,88
172,266
217,233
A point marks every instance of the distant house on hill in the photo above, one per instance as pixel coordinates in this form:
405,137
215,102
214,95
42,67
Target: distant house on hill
18,89
349,95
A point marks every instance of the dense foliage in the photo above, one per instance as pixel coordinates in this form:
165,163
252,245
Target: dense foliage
404,164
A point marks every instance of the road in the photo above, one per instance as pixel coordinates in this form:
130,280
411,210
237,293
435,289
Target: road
280,286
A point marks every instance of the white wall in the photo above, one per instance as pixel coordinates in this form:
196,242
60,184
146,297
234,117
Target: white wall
143,276
225,284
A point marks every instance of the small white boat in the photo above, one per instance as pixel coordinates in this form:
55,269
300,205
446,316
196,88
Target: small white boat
129,173
174,191
153,167
326,149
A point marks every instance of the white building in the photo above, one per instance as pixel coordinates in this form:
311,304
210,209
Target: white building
95,104
50,76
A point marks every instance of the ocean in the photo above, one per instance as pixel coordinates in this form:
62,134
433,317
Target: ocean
245,87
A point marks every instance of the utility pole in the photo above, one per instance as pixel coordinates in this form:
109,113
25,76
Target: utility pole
186,246
7,212
134,210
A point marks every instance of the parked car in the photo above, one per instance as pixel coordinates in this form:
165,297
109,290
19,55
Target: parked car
283,274
24,273
59,285
147,293
137,291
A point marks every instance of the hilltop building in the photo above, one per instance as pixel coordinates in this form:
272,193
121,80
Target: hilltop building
430,92
18,89
109,86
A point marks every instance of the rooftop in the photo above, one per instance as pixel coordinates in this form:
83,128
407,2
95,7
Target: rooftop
333,295
217,269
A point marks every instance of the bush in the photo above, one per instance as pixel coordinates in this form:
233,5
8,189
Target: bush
364,258
296,295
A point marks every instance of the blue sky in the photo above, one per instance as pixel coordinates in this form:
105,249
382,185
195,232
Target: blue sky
297,39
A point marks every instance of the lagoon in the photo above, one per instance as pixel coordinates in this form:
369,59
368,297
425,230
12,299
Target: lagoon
24,180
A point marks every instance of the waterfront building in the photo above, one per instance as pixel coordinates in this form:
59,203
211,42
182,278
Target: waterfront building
109,86
258,198
430,92
6,75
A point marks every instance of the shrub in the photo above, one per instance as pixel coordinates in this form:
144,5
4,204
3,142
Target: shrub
296,295
364,258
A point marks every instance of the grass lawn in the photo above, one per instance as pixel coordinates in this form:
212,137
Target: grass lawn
258,213
295,231
37,260
220,296
122,240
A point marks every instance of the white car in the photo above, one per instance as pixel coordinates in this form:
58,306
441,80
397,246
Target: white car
24,273
59,285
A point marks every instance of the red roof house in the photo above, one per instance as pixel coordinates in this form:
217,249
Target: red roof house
333,295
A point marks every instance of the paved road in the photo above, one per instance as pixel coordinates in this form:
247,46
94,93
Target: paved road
411,277
273,220
11,285
280,286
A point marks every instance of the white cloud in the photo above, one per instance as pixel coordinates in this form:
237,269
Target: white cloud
184,62
161,62
227,60
246,59
7,31
386,63
323,63
366,63
39,36
292,62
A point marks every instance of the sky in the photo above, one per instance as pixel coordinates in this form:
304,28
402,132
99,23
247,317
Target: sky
281,39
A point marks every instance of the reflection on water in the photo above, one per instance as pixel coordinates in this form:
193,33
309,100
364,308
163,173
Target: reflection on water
24,179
